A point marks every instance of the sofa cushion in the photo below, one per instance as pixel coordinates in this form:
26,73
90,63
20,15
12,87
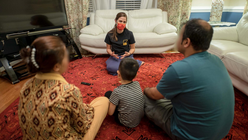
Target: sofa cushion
93,41
164,28
144,20
154,40
237,64
242,28
221,47
226,33
92,30
106,19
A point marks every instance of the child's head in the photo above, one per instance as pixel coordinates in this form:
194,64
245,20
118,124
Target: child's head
46,54
128,69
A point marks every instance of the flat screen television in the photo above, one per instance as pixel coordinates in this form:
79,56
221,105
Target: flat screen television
31,15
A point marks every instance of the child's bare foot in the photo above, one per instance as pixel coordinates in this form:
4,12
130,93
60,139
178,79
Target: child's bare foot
142,63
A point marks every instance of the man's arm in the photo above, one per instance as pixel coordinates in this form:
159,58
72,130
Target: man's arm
168,87
153,93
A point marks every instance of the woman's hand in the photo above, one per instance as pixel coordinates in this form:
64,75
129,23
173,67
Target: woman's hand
125,55
114,55
110,52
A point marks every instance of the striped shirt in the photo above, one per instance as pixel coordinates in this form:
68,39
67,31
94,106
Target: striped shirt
130,101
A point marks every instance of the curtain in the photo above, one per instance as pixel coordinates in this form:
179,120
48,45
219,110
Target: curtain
178,10
103,4
246,7
77,11
148,4
216,10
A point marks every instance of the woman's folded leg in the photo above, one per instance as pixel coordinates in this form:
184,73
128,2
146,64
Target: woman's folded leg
139,62
101,105
113,65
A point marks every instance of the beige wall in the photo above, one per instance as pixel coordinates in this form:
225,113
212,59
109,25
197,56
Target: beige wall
201,3
234,5
227,3
235,2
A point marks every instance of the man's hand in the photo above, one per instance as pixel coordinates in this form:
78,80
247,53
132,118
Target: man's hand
153,93
144,92
114,55
125,55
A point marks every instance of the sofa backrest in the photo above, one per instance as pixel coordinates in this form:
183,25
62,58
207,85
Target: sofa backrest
242,29
144,20
105,18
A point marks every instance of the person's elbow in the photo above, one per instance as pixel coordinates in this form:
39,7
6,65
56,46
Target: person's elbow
111,109
156,95
110,113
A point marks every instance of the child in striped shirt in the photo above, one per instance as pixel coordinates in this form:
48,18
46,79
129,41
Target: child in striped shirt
127,100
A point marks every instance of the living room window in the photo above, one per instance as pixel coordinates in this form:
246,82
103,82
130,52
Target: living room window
90,10
128,4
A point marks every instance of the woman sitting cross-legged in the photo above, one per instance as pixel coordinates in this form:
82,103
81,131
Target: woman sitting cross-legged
51,108
120,44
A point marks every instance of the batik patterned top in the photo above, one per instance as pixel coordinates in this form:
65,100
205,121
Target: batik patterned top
50,108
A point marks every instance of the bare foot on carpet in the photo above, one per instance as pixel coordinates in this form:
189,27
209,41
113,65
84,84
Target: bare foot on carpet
142,63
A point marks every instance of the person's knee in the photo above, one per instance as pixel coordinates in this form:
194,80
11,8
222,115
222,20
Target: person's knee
148,101
112,68
149,106
146,98
104,101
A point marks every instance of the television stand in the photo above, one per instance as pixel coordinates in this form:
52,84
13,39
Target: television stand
9,70
71,42
12,74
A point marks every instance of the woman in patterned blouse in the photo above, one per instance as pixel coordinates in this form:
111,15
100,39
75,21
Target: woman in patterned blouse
51,108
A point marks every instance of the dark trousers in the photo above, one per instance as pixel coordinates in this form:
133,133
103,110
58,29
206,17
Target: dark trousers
160,112
108,94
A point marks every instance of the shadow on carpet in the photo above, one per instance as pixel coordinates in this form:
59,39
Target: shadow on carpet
94,71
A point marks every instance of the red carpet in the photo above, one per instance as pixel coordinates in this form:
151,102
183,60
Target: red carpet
94,71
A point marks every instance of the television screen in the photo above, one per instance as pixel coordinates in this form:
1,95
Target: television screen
23,15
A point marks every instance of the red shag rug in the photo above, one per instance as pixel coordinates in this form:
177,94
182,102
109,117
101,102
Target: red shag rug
94,71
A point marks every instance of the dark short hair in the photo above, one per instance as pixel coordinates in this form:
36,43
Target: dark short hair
128,68
49,51
199,35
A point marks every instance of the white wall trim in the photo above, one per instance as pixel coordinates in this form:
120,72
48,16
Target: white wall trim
195,9
200,9
233,9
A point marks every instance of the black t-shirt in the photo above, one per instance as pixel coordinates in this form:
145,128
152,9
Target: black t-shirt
122,45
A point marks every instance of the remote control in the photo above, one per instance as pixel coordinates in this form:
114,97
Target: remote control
84,83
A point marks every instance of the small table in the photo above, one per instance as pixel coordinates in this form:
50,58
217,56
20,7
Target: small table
219,23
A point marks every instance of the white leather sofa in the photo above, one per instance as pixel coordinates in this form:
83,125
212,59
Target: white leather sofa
231,45
150,28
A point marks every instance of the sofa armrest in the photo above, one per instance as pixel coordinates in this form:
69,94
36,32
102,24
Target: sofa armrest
164,28
165,17
92,18
225,33
92,30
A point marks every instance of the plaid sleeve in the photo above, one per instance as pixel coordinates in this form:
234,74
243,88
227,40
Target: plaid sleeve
114,98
